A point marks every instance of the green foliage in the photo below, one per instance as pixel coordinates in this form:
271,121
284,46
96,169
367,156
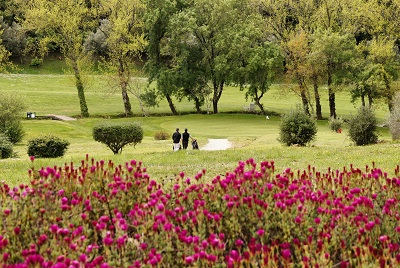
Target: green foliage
335,124
36,62
48,146
149,98
161,135
297,128
10,120
117,135
6,147
362,127
14,131
394,118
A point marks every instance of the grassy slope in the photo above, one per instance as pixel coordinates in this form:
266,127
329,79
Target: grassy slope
252,135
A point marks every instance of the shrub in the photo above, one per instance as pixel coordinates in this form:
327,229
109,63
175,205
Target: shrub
335,124
161,135
10,119
362,127
47,146
117,135
6,147
14,131
394,118
297,128
36,62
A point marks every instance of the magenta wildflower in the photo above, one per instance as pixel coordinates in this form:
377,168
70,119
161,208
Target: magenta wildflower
17,230
211,258
189,260
239,243
286,254
108,240
317,220
143,246
260,232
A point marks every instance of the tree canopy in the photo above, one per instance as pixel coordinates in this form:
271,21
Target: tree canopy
193,49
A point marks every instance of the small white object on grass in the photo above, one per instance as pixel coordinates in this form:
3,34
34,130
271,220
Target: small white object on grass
267,117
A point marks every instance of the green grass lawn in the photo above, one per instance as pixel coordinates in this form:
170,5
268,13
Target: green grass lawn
252,135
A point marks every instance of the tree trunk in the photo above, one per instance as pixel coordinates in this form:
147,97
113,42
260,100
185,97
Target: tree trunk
197,105
303,94
125,99
218,88
332,102
318,108
80,88
123,81
259,104
304,100
370,100
363,100
171,105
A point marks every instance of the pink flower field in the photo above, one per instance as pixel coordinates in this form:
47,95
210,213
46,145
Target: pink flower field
101,214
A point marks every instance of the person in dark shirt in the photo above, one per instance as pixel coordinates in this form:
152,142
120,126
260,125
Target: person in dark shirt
185,139
176,139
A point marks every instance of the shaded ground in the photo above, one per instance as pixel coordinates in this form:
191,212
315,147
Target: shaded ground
61,117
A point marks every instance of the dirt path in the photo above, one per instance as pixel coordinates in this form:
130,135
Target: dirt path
217,144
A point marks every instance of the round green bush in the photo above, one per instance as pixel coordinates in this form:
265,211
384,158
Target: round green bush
6,147
117,135
14,131
362,127
47,147
297,128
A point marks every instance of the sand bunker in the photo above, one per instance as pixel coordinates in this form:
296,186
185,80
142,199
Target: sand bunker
217,144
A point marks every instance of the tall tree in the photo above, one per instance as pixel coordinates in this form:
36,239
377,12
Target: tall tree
4,57
219,31
66,24
333,55
261,64
374,23
284,20
158,65
124,32
375,71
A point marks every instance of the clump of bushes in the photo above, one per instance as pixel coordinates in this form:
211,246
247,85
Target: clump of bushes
297,128
362,127
335,124
117,135
161,135
6,147
394,118
47,146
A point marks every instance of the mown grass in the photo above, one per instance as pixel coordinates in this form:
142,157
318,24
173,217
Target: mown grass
252,135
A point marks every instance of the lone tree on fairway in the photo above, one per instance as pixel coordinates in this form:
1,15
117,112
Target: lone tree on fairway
116,135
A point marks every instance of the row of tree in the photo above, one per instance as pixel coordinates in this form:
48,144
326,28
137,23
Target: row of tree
194,48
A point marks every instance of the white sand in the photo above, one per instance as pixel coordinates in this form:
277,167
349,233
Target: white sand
217,144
